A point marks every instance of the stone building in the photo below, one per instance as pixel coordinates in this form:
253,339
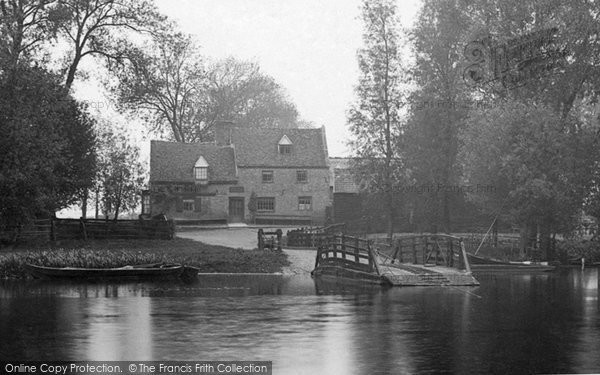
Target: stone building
282,173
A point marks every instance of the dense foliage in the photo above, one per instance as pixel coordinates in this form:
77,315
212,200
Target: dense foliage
47,146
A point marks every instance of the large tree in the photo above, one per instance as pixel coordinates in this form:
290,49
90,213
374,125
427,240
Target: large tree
437,110
102,28
540,169
374,118
179,94
47,146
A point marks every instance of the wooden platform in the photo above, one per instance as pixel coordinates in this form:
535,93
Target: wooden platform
353,258
418,275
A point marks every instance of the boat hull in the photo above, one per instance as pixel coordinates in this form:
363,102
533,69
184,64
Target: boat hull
494,265
148,271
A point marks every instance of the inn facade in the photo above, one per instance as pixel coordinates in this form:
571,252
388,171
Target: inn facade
266,176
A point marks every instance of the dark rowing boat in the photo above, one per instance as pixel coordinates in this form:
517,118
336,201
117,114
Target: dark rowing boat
479,263
142,271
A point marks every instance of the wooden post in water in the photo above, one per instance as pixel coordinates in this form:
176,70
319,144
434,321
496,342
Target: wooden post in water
464,254
450,259
425,250
398,247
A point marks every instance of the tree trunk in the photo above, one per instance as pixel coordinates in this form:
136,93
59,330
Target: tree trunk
546,241
84,202
97,202
523,238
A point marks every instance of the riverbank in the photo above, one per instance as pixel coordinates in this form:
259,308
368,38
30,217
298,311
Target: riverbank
118,253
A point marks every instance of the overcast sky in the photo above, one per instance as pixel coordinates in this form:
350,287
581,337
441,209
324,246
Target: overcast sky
308,46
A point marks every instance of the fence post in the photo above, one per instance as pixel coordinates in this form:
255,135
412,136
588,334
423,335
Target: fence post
450,260
261,244
414,249
425,250
83,229
356,251
279,238
52,230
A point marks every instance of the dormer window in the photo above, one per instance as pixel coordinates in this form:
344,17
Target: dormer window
285,145
201,171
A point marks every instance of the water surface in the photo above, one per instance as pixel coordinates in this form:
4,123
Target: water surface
539,323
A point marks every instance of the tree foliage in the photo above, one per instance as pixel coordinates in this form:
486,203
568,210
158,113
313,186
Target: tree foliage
177,92
374,118
436,110
101,28
120,176
47,146
24,26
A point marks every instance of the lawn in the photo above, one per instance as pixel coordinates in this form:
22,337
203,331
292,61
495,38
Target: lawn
117,253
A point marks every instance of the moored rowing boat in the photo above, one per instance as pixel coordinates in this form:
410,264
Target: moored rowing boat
145,271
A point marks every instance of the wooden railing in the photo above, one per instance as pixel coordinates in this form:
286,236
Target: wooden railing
350,252
430,249
313,236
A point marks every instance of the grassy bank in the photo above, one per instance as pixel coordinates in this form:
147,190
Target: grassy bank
118,253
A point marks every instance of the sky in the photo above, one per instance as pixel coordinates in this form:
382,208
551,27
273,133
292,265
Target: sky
308,46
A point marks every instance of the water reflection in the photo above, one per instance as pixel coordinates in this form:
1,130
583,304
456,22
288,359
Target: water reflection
510,324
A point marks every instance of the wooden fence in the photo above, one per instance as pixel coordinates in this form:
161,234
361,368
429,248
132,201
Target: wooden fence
313,237
65,229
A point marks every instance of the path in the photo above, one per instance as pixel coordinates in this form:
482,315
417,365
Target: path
302,261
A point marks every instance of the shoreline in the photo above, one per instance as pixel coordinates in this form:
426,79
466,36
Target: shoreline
118,253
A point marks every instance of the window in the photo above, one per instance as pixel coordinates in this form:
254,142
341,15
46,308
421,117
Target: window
285,149
201,170
267,177
188,205
265,204
304,203
201,173
301,176
285,145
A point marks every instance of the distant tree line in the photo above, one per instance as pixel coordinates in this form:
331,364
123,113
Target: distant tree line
535,143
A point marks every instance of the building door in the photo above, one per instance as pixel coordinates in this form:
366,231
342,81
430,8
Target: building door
236,209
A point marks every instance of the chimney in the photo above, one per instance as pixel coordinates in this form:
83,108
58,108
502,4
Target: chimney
223,132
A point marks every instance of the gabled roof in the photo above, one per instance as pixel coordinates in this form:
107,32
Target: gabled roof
201,163
285,140
175,161
258,147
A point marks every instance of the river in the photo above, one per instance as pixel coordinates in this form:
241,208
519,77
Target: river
537,323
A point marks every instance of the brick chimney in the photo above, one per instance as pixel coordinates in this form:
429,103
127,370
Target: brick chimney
223,132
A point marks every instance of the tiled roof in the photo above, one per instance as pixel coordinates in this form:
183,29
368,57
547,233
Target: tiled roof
174,161
259,147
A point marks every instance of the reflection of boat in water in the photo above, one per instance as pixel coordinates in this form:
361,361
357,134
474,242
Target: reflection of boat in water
585,262
331,285
479,263
142,271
